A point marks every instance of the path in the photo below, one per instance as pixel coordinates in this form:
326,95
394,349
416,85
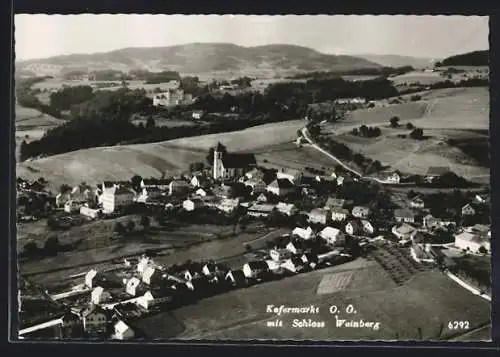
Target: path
467,286
305,133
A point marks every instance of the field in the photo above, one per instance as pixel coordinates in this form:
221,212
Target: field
149,160
461,114
427,301
423,78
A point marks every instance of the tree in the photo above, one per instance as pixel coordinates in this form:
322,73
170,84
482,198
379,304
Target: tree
130,226
51,246
482,250
417,134
64,188
355,131
196,166
31,249
119,228
410,126
394,122
150,123
145,222
136,182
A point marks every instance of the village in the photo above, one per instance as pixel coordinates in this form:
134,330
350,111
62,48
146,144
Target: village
331,218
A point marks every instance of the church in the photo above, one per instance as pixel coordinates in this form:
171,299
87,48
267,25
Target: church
228,166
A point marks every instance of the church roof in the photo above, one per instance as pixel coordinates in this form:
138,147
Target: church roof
238,160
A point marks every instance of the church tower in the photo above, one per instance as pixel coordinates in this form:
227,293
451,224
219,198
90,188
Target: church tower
218,166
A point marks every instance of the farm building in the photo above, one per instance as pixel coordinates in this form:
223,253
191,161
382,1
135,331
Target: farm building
123,331
192,204
228,205
288,209
95,320
260,210
280,254
92,278
435,172
417,202
257,185
178,188
354,227
99,295
293,264
293,175
89,212
332,235
404,231
404,215
319,215
339,214
303,233
115,197
72,206
254,174
360,211
255,269
468,210
367,226
132,286
281,187
236,277
334,202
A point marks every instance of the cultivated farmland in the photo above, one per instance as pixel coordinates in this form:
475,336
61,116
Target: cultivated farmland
150,160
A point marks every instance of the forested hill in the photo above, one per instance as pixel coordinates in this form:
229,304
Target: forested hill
476,58
207,57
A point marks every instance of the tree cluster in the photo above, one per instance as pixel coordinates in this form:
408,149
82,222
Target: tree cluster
65,98
367,131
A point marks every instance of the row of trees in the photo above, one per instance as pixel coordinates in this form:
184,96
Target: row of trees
383,71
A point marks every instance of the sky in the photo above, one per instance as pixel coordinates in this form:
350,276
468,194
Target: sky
41,36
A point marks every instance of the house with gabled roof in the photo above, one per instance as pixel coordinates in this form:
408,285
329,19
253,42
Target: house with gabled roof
354,227
281,187
468,210
255,269
332,202
404,215
280,254
287,209
99,295
404,231
236,277
339,214
360,211
332,235
290,174
294,264
319,215
307,233
417,202
123,331
95,320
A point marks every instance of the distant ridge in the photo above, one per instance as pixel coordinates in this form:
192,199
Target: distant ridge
398,60
206,58
475,58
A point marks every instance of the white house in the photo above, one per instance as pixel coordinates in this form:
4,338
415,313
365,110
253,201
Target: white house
417,202
98,296
255,269
123,331
468,210
367,226
192,204
260,210
279,254
339,214
319,215
273,266
150,274
404,231
404,215
198,180
132,286
197,114
90,278
143,263
62,198
201,192
288,209
281,187
293,264
72,206
89,212
228,205
332,202
149,300
303,233
115,197
332,235
392,177
354,228
360,211
293,175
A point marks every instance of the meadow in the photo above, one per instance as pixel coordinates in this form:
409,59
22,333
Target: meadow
149,160
427,301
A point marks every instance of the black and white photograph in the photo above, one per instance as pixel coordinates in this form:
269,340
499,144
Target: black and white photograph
252,178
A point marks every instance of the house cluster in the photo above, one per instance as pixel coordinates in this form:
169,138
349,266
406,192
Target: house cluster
144,287
172,97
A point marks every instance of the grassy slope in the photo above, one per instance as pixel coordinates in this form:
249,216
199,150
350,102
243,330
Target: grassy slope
122,162
426,301
458,113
